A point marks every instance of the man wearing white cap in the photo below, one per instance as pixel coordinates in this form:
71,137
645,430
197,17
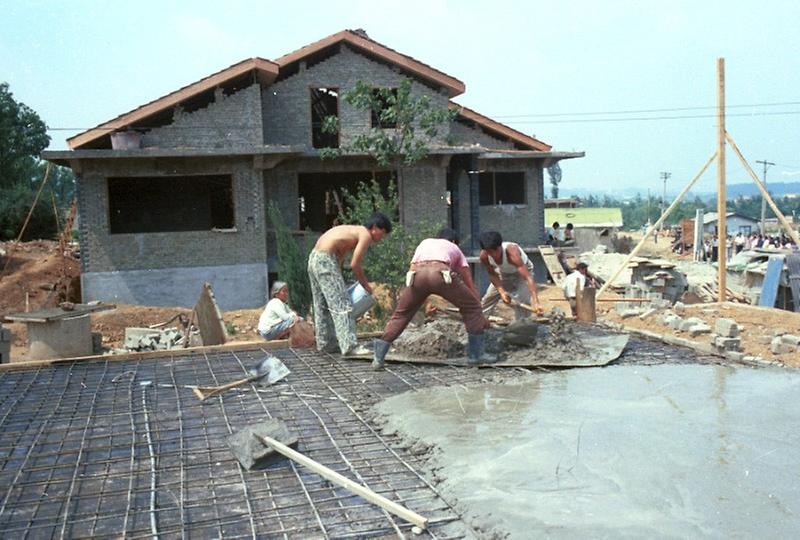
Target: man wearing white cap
277,319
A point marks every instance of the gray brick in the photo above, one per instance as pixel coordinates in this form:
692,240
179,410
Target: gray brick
726,328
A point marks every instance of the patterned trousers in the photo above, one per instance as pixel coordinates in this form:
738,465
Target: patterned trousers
332,305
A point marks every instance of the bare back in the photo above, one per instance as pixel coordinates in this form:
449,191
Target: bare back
342,239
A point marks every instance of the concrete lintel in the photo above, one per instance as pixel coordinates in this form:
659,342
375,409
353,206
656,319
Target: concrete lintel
66,157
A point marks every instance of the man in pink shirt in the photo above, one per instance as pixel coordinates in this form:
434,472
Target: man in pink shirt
438,267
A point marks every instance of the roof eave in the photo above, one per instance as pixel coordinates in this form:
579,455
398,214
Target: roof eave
266,72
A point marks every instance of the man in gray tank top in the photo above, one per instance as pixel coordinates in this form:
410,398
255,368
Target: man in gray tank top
510,272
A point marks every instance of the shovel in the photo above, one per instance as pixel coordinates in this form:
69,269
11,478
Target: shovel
269,366
538,312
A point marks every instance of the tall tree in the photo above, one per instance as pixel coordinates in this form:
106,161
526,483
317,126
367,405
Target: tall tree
554,172
405,127
23,136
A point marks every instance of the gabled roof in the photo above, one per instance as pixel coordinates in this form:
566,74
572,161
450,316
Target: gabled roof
711,217
358,40
497,128
584,217
265,71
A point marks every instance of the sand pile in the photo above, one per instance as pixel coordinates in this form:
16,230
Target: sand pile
437,339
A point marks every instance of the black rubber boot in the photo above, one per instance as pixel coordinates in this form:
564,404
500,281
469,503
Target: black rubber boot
379,348
476,348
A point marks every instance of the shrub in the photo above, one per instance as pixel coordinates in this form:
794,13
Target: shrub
292,263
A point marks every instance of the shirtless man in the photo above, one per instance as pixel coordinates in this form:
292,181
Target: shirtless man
509,269
332,305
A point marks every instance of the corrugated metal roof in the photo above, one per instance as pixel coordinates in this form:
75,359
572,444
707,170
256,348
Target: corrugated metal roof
584,217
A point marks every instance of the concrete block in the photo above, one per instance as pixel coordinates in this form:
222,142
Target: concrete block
698,329
688,323
251,452
736,356
791,339
675,322
62,338
779,347
648,313
726,328
727,344
630,312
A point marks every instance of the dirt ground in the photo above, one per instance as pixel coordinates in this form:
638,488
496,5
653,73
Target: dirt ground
756,325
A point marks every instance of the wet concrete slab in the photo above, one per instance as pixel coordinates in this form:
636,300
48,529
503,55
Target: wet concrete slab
625,451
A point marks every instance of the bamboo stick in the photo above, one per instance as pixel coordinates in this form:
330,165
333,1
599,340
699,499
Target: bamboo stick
653,227
722,228
358,489
764,192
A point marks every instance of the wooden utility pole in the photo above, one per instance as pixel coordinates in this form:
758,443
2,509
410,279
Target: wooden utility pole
766,165
722,231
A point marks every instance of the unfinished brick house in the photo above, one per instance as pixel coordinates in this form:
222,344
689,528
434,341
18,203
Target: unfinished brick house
174,192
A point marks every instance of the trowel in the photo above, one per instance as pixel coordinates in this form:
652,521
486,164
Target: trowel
269,367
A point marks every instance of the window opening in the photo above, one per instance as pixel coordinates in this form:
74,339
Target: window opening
324,103
170,204
501,188
384,98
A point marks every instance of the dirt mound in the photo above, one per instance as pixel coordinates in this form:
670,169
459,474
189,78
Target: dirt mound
35,268
437,339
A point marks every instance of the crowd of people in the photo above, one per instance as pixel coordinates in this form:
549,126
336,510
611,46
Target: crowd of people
734,244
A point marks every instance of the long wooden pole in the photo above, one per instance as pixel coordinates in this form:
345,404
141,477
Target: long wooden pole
722,228
654,226
358,489
764,193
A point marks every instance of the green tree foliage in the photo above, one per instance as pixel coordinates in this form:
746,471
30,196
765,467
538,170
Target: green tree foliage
406,126
387,261
23,136
415,120
292,263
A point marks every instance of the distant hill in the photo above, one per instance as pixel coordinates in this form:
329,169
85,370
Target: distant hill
748,189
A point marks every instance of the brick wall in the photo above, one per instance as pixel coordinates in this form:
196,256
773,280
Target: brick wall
524,223
461,134
103,252
230,121
287,103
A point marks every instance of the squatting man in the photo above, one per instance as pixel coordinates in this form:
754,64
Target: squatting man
333,322
438,267
510,273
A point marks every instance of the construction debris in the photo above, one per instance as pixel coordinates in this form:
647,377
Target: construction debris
152,339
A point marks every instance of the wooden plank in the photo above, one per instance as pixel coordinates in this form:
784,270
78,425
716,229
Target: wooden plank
54,314
553,265
585,305
772,278
350,485
209,318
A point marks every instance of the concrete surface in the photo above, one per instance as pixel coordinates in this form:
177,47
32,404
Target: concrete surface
665,451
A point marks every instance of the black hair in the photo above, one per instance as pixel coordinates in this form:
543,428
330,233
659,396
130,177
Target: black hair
581,265
570,226
556,224
448,234
379,220
490,240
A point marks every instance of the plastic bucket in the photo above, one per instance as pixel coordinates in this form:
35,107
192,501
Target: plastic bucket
361,299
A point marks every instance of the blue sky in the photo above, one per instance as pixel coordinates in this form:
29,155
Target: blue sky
544,68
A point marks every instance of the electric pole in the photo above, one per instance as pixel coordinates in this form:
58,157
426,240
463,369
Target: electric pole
766,165
664,177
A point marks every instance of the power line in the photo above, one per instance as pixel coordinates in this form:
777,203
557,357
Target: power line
642,111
